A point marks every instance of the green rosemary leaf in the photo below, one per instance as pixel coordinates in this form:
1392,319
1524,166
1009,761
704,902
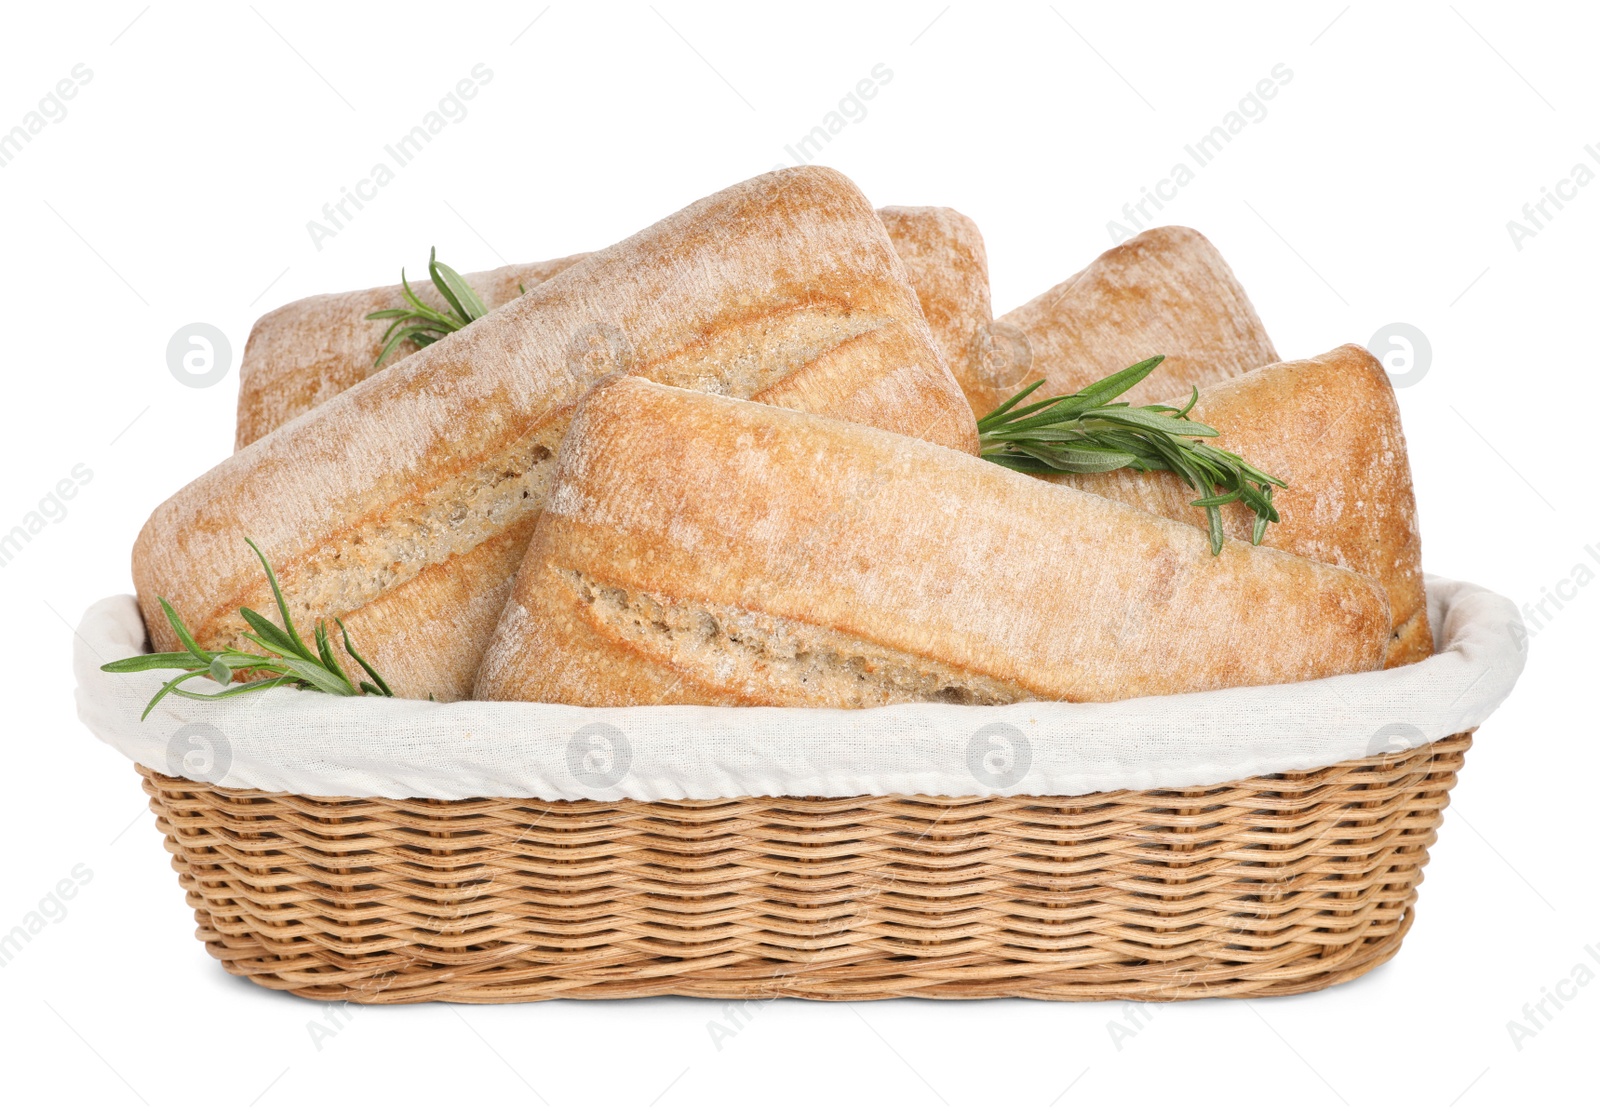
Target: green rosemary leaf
1088,461
231,692
1150,421
316,675
361,660
153,661
182,631
388,348
420,307
268,636
419,322
401,324
277,595
1097,394
273,663
289,661
1021,463
167,688
454,288
246,661
1016,398
1261,521
325,653
1089,431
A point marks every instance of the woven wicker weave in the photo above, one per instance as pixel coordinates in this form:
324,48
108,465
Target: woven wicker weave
1260,887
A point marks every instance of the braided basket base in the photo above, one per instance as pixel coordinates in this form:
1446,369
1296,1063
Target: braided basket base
1261,887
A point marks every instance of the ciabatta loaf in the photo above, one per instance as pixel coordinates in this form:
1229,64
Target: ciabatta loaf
300,355
1330,428
949,268
698,549
404,503
303,353
1166,291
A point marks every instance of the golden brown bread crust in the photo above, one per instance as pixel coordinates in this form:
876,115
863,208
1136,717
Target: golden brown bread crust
949,268
697,549
1330,428
399,503
301,354
1166,291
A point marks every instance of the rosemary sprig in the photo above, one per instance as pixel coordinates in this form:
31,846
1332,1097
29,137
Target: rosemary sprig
1088,432
420,322
292,661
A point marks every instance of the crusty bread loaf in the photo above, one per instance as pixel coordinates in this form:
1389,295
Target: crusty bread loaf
301,354
697,549
949,268
404,503
1330,428
1166,291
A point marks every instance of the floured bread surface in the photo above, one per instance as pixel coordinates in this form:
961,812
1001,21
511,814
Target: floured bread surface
303,353
1330,428
403,503
300,355
945,259
1166,291
697,549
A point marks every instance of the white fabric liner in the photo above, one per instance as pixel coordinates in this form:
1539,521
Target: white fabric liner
315,744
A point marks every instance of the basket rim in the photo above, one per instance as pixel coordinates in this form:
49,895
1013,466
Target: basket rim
311,744
1182,798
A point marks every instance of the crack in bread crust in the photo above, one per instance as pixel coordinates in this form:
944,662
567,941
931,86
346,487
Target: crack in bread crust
739,652
393,545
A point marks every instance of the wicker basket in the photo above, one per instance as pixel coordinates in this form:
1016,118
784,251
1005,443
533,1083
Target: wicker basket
1260,887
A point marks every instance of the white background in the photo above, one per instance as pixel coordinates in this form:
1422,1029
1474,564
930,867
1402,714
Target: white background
1377,189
